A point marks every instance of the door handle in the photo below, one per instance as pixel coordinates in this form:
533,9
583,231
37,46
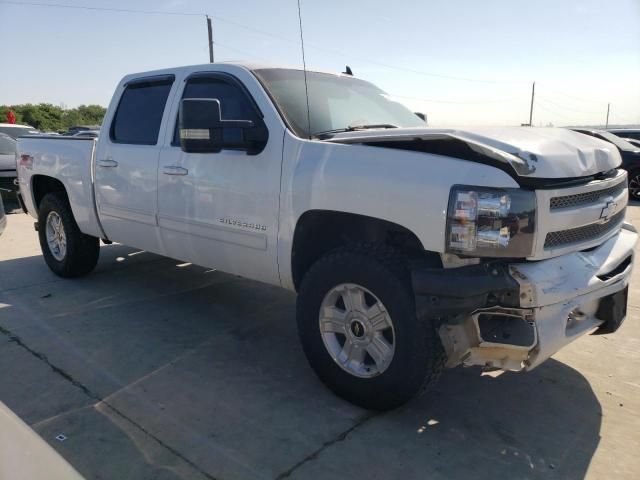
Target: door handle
174,170
108,163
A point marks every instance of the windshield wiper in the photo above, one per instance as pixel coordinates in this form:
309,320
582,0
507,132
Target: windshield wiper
354,128
371,126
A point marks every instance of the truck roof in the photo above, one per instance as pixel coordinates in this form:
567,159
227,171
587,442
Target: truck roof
211,66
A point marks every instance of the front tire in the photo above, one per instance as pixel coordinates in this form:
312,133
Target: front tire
358,327
67,251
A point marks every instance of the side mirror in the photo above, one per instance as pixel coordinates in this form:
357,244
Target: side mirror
202,130
421,115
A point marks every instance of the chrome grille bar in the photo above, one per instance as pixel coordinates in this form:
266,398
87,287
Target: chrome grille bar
579,199
581,234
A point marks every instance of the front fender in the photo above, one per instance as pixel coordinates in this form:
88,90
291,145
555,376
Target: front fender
407,188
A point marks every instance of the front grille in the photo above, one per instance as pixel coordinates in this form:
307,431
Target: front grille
583,234
580,199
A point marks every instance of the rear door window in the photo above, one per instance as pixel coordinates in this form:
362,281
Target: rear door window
139,114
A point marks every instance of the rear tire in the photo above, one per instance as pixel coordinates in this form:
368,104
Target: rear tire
414,352
67,251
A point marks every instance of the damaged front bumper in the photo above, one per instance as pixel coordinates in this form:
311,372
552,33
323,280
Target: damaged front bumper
515,316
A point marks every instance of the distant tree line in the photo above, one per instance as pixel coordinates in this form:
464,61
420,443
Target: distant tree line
51,118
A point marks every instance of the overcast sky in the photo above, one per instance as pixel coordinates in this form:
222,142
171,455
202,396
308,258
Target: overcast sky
460,61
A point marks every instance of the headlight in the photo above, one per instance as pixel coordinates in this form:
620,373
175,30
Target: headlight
489,222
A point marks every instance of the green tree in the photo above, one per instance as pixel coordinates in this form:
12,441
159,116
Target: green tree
48,117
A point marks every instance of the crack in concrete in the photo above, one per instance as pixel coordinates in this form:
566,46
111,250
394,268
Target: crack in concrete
94,396
315,454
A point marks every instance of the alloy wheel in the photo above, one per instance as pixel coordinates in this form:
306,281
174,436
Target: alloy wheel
56,236
357,330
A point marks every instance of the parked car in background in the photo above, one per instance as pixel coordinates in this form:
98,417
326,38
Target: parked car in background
626,133
631,135
3,217
14,130
7,162
81,128
88,134
630,156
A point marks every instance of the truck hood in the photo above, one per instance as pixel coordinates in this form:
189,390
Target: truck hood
524,152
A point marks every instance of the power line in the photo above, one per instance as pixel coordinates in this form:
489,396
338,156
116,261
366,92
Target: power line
242,52
612,117
413,70
591,100
103,9
546,109
315,47
270,34
256,30
564,107
456,102
615,119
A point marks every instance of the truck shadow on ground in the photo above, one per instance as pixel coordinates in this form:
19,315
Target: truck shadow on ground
200,374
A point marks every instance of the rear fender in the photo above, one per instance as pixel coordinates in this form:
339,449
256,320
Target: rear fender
66,161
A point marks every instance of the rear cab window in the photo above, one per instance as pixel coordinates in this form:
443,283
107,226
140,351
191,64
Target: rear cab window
139,114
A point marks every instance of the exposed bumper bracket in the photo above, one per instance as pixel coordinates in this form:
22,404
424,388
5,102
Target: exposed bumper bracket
447,293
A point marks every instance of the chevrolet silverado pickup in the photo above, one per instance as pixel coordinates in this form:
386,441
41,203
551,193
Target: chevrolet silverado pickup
411,248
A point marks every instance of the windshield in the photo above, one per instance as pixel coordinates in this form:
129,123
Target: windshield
15,132
335,102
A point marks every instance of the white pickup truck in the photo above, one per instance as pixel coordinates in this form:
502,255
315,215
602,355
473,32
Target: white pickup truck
411,248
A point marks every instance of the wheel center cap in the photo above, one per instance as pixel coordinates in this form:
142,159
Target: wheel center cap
357,328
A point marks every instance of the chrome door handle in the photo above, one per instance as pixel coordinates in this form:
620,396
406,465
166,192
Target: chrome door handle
174,170
108,163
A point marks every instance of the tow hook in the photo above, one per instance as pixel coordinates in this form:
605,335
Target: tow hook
576,315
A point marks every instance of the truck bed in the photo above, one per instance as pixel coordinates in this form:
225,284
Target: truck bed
68,160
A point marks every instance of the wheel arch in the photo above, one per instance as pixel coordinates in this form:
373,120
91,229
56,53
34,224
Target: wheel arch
317,232
42,185
79,195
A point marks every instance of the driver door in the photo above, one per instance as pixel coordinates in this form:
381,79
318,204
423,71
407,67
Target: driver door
221,209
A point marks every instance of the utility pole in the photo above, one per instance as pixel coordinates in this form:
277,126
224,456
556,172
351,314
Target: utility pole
533,94
210,30
607,122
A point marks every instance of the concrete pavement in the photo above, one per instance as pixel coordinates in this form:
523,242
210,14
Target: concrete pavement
155,369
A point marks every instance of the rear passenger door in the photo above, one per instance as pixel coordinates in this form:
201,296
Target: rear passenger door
126,166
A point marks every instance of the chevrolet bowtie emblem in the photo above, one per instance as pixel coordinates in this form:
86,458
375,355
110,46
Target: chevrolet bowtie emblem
608,211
